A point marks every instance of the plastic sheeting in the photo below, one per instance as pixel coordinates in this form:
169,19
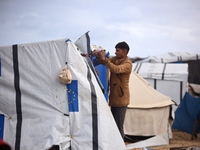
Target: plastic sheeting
171,57
193,61
186,115
172,72
162,139
39,111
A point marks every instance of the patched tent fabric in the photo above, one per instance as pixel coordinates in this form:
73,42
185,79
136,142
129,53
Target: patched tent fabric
148,113
38,111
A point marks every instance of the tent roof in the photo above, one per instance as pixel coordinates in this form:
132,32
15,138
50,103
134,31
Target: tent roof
142,95
172,57
171,71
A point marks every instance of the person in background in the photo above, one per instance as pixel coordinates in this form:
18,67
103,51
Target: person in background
120,68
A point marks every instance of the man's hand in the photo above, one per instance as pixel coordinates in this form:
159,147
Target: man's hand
95,53
99,54
102,55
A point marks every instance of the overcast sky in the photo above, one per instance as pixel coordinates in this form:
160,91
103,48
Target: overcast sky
150,27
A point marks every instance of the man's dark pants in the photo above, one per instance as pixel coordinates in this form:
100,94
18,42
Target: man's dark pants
119,116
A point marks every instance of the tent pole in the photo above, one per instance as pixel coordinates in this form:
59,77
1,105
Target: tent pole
194,128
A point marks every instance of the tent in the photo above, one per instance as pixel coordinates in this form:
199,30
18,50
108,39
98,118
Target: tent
171,57
98,69
193,61
187,116
148,114
37,111
167,78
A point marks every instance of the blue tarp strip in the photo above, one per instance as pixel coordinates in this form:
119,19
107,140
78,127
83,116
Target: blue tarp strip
1,125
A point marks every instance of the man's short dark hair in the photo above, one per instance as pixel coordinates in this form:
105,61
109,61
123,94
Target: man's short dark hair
123,45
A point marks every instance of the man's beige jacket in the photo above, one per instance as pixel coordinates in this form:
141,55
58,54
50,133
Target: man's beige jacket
120,70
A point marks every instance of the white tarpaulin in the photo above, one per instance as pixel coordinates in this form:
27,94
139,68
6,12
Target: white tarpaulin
175,72
37,111
192,59
148,113
169,79
171,57
154,141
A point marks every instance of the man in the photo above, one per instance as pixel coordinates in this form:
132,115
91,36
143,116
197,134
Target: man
120,67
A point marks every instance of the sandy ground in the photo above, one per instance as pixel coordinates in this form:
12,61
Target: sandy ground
181,141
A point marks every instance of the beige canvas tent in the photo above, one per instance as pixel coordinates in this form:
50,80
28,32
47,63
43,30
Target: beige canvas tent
148,114
169,79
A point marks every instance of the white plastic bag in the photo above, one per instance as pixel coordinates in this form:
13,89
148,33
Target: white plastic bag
64,75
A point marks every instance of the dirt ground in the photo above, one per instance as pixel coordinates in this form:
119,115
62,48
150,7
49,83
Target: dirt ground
180,141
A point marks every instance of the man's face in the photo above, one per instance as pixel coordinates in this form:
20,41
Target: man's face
120,54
